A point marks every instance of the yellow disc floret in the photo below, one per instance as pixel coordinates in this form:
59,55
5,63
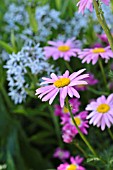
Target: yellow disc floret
65,110
77,120
98,50
103,108
64,48
71,167
62,82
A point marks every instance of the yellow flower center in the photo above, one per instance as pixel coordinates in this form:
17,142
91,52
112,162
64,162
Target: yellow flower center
64,48
72,167
65,110
62,82
103,108
98,50
77,120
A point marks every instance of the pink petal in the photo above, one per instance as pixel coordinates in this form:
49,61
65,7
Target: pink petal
75,74
70,93
75,93
50,94
53,76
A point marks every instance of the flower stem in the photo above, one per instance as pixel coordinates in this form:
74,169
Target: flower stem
102,22
110,133
81,149
103,73
80,133
68,66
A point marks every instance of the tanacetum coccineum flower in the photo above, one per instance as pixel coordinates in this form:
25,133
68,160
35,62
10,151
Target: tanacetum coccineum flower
102,112
75,164
61,84
59,49
93,54
83,4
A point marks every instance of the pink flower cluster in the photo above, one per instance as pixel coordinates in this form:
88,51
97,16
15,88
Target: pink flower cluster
74,103
69,130
75,163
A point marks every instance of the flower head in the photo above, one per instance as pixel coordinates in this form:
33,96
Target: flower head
60,49
88,4
69,129
74,165
74,103
61,84
61,154
93,54
102,112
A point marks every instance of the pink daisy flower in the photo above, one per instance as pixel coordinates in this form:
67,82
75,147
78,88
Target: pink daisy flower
61,154
75,164
74,103
102,112
88,4
60,49
61,84
90,80
93,54
69,129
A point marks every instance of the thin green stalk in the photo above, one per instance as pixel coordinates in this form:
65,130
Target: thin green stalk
68,66
102,22
81,149
110,133
103,73
80,133
56,125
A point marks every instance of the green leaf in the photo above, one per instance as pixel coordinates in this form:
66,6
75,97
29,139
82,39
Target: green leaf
40,136
93,159
13,41
10,162
33,22
6,46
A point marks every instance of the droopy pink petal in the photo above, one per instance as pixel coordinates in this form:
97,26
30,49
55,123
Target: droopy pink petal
53,97
75,93
50,94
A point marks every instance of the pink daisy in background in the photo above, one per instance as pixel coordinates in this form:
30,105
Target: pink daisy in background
75,164
60,49
69,130
91,80
61,154
61,84
74,103
88,4
102,112
93,54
